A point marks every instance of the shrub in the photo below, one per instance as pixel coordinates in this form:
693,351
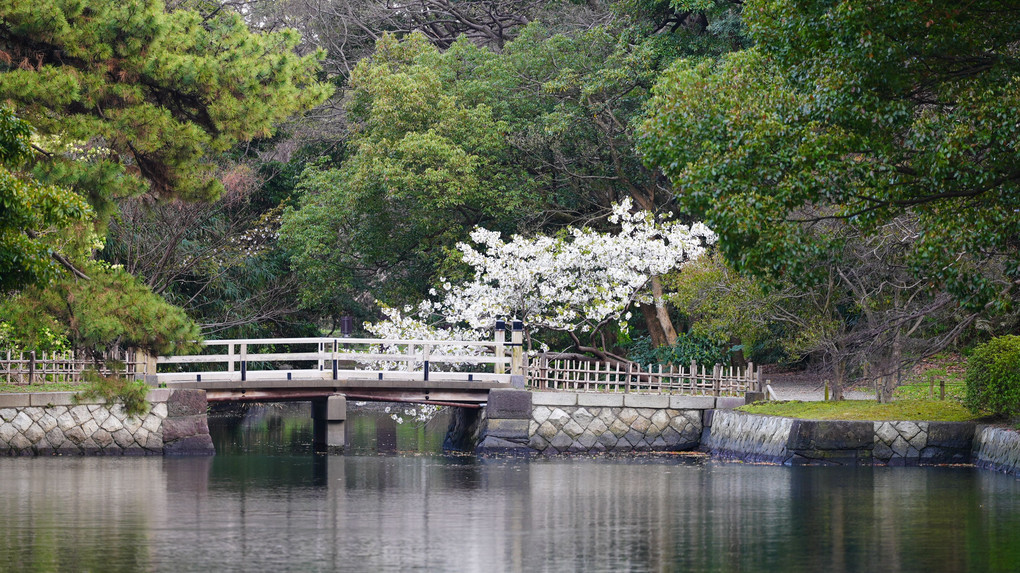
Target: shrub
687,347
115,388
993,377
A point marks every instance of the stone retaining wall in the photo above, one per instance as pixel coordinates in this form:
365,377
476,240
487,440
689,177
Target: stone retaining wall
561,422
751,438
997,449
521,422
789,441
52,424
558,429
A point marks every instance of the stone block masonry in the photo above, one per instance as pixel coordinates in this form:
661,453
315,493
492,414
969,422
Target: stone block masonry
524,422
751,438
997,449
51,424
829,442
561,429
517,421
502,427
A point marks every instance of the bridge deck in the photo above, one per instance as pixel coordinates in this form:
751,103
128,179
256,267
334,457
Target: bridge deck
441,387
392,390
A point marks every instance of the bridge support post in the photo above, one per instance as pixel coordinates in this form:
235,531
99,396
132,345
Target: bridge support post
328,417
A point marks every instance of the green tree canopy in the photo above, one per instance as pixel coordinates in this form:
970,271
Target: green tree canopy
427,162
126,99
535,137
860,114
136,97
111,310
34,218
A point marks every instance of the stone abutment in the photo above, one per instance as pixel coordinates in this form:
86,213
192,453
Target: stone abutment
52,423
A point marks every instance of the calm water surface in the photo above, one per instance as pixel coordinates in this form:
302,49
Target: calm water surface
266,503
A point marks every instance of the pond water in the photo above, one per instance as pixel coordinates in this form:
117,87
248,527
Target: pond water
267,503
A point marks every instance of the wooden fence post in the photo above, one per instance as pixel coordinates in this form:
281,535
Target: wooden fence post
716,379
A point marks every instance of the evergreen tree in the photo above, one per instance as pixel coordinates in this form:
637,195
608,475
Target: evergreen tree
34,218
130,98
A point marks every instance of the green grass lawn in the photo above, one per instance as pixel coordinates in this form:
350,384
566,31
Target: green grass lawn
927,410
912,399
926,380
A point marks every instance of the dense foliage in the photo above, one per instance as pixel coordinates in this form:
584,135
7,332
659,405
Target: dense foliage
111,310
135,97
993,377
858,162
686,349
124,99
855,114
529,139
860,154
427,163
34,217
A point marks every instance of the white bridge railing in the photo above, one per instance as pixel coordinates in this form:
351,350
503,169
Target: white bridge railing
348,359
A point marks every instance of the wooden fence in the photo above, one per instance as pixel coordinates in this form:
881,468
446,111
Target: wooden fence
23,368
549,373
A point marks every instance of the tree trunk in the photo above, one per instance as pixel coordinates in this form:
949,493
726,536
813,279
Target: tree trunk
885,388
661,313
737,359
889,377
654,328
838,379
603,355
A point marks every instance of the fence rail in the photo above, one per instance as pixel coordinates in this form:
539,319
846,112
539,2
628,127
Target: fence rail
23,368
317,358
331,358
549,373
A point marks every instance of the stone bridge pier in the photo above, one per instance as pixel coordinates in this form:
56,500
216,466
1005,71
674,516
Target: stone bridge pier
329,415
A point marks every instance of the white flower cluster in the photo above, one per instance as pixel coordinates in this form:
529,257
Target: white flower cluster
571,282
574,281
408,324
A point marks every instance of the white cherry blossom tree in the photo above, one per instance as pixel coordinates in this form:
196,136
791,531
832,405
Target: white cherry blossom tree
575,282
